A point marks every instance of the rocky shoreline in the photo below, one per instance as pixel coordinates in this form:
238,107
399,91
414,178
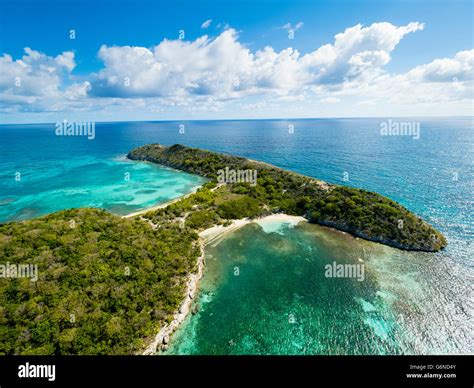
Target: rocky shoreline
161,340
206,237
362,213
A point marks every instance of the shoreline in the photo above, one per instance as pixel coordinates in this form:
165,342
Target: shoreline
208,236
162,205
213,234
365,214
162,338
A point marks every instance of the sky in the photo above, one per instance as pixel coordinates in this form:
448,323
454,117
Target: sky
121,60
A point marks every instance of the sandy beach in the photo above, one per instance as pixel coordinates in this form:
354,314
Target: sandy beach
162,205
161,340
206,237
214,234
167,203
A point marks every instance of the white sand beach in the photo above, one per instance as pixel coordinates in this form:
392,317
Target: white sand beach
162,205
208,236
212,235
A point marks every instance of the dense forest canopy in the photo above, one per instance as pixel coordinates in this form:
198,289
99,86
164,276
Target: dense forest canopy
362,213
104,283
107,284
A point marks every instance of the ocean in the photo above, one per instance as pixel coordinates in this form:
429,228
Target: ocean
409,302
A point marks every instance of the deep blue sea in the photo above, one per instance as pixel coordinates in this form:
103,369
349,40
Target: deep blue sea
433,176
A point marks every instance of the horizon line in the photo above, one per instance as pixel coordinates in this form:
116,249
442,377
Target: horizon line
247,119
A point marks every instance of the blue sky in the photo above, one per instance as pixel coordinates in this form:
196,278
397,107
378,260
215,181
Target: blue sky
84,80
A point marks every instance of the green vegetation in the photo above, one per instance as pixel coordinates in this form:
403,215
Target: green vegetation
362,213
202,219
209,206
239,208
105,283
374,217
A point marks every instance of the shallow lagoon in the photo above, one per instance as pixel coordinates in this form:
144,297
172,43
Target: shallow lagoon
265,292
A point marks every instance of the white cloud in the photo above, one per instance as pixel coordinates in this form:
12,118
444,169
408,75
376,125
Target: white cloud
459,68
207,74
222,25
66,60
224,68
298,25
447,80
206,24
357,52
330,100
205,66
288,25
35,74
38,82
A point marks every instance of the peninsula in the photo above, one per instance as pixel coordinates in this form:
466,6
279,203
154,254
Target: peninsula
108,284
359,212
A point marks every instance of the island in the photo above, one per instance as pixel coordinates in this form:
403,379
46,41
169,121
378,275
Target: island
361,213
108,284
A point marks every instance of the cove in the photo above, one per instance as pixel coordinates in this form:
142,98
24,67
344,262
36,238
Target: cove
279,300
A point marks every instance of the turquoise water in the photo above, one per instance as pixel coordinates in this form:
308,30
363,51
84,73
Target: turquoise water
55,176
265,292
422,301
